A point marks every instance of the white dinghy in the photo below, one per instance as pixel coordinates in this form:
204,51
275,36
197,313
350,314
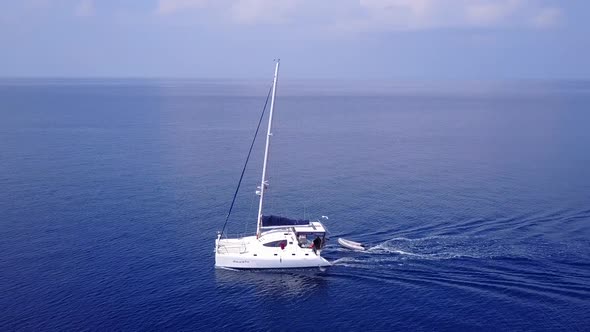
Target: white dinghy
279,242
351,244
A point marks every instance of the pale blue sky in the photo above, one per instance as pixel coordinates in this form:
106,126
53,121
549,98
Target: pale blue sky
331,39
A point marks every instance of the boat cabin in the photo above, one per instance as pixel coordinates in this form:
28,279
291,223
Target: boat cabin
306,233
307,236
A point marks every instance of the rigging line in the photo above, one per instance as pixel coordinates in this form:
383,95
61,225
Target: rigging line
246,163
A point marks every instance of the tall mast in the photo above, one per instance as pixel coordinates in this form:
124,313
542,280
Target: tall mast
264,182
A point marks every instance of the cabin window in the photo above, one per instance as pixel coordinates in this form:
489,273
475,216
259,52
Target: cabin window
306,240
275,243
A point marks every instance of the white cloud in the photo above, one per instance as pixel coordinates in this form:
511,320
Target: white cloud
491,13
340,15
406,14
428,14
84,8
237,11
263,11
36,4
172,6
346,15
414,7
547,18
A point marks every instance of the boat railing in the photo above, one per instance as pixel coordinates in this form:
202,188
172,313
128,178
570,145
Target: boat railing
235,235
234,248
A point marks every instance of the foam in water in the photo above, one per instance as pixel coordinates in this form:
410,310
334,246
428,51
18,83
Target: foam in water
442,248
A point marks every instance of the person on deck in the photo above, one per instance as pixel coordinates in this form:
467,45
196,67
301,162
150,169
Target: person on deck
317,244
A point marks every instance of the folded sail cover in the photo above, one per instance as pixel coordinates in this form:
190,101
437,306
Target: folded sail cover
271,221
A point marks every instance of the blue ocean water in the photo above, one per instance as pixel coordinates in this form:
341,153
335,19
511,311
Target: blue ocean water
473,197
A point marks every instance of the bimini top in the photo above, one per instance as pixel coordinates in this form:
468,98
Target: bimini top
277,221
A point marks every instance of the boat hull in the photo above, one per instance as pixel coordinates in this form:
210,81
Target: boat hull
242,261
260,253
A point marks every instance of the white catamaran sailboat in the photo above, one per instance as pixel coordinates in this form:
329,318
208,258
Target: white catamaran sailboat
279,242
